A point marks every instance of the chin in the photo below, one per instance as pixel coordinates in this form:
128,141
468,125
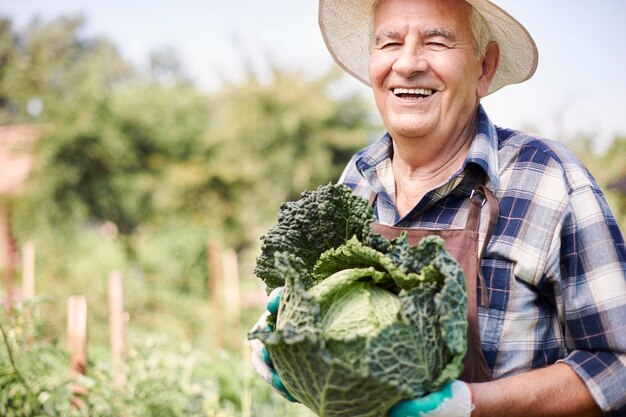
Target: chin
411,122
409,129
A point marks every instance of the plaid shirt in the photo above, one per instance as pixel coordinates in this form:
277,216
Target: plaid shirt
555,266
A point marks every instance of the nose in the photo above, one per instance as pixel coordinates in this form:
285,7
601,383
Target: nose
410,62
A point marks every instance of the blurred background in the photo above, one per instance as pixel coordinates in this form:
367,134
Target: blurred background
147,146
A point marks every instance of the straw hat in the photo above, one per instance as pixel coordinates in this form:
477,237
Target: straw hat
346,24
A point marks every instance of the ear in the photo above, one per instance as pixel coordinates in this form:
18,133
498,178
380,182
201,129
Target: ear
490,63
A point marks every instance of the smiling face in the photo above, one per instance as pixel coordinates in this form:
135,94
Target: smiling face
424,71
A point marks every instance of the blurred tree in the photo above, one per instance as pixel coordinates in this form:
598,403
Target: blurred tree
166,67
613,163
107,164
71,77
151,158
7,57
271,141
607,167
264,143
56,66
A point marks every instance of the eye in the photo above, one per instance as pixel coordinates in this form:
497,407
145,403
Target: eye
437,46
388,40
391,44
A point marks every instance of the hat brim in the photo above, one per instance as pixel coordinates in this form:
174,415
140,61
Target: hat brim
345,27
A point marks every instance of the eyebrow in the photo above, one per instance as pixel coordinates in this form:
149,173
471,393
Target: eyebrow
429,33
442,32
385,34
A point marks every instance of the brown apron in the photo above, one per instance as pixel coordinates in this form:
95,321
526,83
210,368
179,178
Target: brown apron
462,244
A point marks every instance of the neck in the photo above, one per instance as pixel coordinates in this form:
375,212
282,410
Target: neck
428,155
419,164
429,162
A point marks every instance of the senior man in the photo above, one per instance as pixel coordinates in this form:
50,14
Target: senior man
547,310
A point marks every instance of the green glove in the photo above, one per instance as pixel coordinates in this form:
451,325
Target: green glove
261,360
453,400
274,300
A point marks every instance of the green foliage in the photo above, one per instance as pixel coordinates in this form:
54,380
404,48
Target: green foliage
115,167
359,314
154,163
160,381
52,62
613,168
273,140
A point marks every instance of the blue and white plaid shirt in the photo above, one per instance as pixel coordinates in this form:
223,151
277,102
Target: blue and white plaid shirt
555,266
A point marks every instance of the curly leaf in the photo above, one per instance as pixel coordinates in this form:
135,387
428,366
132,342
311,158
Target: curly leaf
320,220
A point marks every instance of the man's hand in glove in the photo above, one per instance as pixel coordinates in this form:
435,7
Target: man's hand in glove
453,400
261,360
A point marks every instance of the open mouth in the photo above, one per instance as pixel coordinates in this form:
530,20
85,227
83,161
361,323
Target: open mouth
413,93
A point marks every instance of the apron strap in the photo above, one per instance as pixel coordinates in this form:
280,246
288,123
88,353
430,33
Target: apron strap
371,200
481,195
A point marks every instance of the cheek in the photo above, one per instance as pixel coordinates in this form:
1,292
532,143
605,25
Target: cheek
374,76
379,67
377,81
456,70
463,86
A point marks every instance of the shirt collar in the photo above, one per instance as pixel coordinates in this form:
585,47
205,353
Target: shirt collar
484,148
483,152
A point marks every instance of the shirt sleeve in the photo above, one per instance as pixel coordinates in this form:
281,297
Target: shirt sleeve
593,295
352,178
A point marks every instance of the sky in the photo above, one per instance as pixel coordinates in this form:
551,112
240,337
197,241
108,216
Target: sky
579,87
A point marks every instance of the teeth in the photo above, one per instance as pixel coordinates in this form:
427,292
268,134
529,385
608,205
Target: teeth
420,91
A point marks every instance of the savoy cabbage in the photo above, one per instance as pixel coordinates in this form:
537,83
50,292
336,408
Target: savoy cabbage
364,322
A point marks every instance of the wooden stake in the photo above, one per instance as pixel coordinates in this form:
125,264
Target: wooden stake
28,282
77,333
214,250
77,341
117,324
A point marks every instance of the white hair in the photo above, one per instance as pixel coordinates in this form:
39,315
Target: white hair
480,29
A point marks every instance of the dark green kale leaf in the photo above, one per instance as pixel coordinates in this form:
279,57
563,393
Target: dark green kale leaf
322,219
